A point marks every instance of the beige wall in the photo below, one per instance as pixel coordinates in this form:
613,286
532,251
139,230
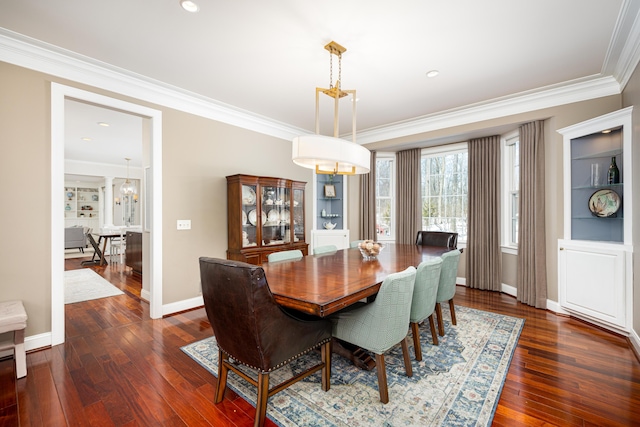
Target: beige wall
198,153
25,255
631,97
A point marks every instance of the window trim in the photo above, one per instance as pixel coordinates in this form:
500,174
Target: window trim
394,179
506,164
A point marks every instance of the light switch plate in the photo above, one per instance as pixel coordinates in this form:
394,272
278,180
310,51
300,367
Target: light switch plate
184,224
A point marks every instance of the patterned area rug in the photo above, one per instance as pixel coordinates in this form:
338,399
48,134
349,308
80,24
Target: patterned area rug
457,383
86,284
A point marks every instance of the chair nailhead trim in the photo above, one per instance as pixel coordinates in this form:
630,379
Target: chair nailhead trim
280,365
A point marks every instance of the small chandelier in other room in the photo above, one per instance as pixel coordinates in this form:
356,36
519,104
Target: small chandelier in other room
128,188
326,154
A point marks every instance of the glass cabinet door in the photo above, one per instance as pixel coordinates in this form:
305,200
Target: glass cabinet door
249,216
297,214
275,225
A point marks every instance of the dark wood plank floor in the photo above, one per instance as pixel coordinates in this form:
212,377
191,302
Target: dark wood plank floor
118,367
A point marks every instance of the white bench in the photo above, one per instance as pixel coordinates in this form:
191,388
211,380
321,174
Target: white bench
13,318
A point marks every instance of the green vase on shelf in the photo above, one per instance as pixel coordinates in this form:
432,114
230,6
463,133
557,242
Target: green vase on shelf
613,177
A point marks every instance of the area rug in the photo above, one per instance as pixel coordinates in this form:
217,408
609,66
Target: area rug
457,383
86,284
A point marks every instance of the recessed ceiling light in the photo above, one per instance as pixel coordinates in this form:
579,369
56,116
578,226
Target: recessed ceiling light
189,6
86,138
606,131
103,124
432,73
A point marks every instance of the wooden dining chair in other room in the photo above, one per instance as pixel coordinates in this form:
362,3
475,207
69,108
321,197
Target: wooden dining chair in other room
285,255
447,287
381,324
446,239
253,330
423,303
325,249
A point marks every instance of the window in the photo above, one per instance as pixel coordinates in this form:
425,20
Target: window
511,188
445,189
385,196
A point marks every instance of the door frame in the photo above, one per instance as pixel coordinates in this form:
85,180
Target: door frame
59,93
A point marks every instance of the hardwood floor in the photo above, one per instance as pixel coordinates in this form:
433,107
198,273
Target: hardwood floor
118,367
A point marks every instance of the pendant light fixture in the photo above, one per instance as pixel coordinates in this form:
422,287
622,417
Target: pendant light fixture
331,154
128,188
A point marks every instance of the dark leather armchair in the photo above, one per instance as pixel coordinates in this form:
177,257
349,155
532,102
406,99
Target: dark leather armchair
253,330
445,239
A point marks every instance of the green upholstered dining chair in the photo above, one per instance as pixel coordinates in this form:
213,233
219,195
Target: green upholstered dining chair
285,255
325,249
355,243
382,324
447,286
423,303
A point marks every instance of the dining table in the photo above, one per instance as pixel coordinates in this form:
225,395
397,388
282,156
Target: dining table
323,284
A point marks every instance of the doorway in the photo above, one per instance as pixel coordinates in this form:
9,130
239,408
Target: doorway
152,223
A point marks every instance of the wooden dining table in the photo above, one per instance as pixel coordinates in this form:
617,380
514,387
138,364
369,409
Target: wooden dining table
323,284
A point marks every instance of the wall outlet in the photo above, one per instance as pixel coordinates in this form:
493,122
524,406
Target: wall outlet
184,224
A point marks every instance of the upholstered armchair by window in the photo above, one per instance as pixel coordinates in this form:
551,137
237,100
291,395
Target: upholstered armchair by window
382,324
445,239
285,255
447,287
252,329
423,303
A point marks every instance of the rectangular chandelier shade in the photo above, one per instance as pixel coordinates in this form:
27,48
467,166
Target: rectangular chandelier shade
329,155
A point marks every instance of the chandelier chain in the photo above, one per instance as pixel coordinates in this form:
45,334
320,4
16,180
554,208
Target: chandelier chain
330,70
339,70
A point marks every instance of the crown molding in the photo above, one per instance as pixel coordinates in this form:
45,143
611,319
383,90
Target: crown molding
551,96
33,54
36,55
623,53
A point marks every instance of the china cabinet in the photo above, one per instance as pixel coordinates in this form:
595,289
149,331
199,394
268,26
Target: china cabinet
265,215
330,214
81,206
595,256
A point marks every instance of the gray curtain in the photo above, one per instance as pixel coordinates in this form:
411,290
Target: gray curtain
368,201
483,235
408,198
532,270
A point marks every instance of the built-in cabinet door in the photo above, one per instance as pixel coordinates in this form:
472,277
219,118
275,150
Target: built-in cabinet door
592,281
338,238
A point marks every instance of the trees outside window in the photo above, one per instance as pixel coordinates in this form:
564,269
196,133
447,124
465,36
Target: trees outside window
445,189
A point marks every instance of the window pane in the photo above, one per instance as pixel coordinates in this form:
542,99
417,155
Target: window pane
384,197
444,193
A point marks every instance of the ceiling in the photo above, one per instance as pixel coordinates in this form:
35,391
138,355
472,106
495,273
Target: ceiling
267,57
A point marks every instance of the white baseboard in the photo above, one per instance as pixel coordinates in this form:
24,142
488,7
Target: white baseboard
513,291
556,308
635,341
33,342
183,305
145,295
509,290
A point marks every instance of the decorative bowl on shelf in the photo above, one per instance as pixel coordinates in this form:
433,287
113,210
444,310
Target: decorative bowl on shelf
329,225
370,249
